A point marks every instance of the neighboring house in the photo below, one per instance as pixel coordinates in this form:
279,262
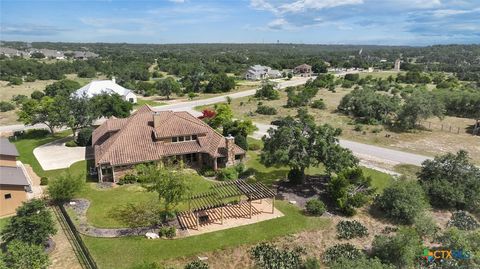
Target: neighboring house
148,136
9,52
259,72
106,86
303,70
50,54
14,181
84,55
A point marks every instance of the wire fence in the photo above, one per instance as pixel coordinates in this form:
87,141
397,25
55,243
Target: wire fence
81,250
442,127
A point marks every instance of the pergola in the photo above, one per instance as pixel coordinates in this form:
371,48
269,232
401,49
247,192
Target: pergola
221,196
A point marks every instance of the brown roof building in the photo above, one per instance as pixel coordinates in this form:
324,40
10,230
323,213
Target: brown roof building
14,183
148,136
304,70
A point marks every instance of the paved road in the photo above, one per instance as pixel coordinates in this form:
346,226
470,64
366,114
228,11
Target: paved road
363,151
190,105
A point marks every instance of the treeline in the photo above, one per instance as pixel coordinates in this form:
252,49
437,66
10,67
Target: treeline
131,61
386,101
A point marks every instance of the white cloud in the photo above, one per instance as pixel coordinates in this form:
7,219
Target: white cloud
278,24
283,7
177,1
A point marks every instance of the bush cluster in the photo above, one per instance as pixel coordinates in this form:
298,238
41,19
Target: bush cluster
207,172
347,251
84,137
266,110
129,178
315,207
167,231
6,106
347,229
197,265
230,173
318,104
463,221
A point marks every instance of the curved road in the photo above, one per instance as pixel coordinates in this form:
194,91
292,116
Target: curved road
363,151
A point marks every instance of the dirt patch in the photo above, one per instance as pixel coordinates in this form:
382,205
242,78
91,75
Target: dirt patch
63,256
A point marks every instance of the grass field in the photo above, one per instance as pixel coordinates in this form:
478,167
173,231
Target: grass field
129,251
3,222
105,201
427,142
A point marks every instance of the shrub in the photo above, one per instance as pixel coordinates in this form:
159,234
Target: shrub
318,104
44,181
451,181
399,250
425,226
254,146
358,127
347,84
21,255
463,221
241,141
402,201
84,137
347,251
315,207
33,224
129,178
15,81
266,110
350,189
64,187
37,95
311,263
71,144
197,265
167,231
268,92
347,229
19,99
362,263
229,173
268,256
6,106
295,176
141,214
207,172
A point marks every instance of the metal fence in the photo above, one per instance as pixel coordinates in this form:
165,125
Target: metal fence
81,250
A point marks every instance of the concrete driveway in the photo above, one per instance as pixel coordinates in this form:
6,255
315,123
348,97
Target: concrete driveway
56,155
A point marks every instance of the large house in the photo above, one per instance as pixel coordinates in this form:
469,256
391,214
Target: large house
303,70
148,136
14,182
259,72
106,86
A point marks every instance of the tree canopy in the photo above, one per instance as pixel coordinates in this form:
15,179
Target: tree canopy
299,143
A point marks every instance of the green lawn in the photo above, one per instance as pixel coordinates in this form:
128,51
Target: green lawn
25,148
127,251
269,175
105,201
3,222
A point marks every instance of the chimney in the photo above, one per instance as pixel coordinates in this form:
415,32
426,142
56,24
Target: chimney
156,120
229,144
114,80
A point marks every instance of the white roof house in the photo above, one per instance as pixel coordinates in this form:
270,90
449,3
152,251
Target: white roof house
257,72
106,86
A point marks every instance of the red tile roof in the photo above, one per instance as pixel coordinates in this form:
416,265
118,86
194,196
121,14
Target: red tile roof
135,139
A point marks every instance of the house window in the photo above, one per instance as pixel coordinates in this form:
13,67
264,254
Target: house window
130,100
174,139
8,196
188,138
194,137
181,138
190,158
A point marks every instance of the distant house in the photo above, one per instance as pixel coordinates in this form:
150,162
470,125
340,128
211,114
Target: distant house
303,70
9,52
83,55
106,86
51,54
259,72
148,136
14,182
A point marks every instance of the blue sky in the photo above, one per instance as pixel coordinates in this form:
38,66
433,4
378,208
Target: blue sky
389,22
